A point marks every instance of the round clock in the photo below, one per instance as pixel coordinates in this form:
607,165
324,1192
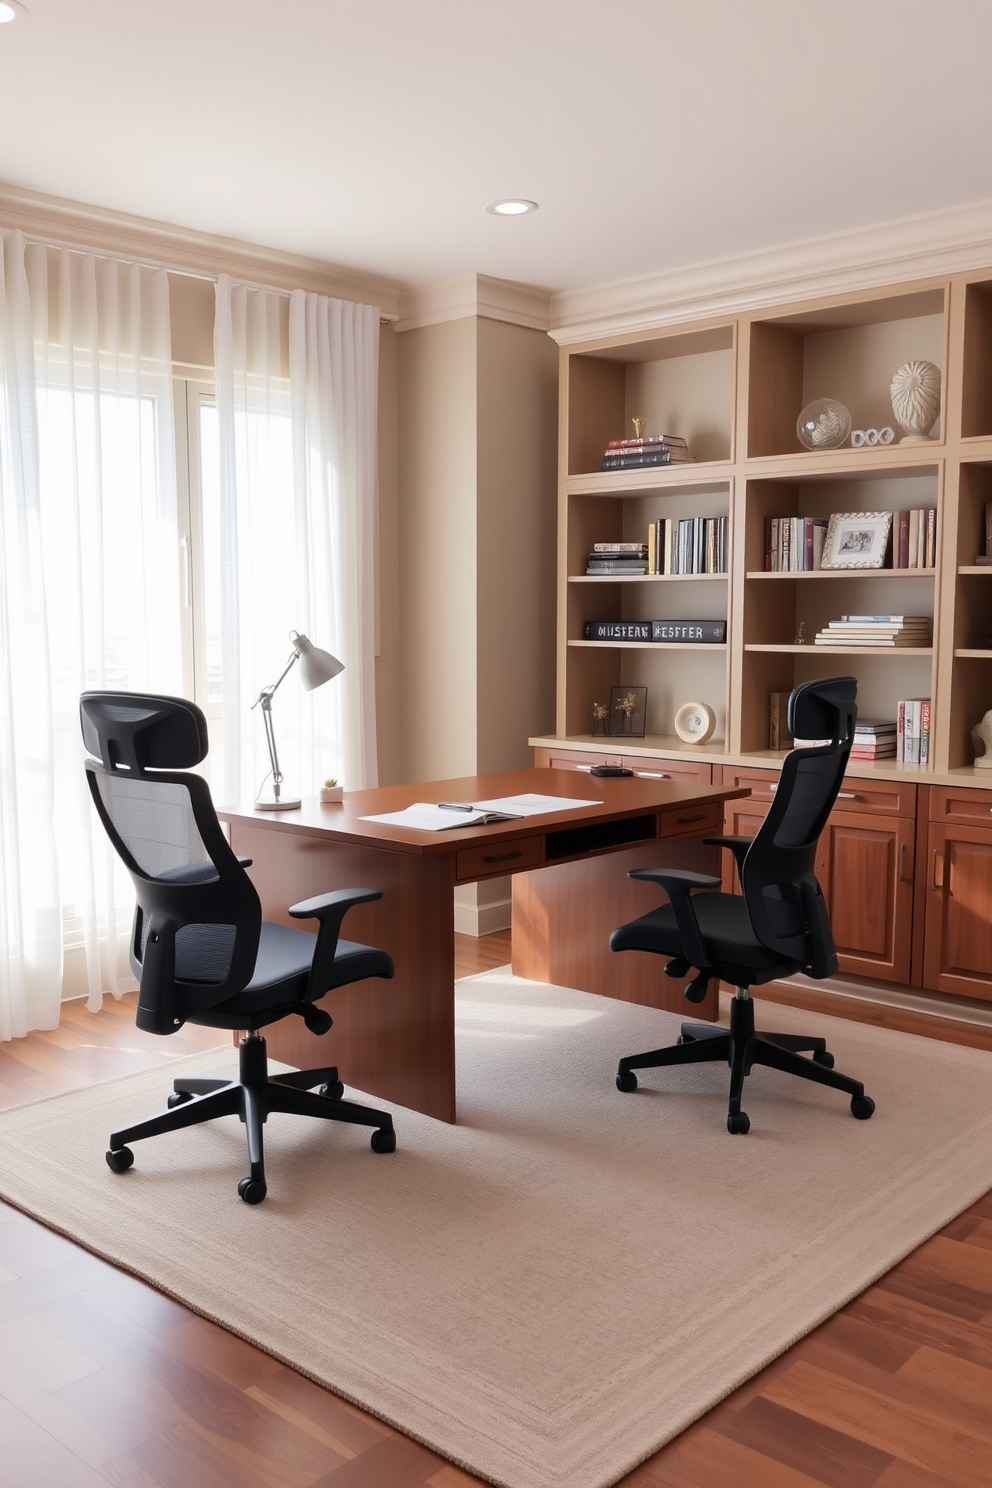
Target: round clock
695,722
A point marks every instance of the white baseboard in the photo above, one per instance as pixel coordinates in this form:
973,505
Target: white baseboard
482,919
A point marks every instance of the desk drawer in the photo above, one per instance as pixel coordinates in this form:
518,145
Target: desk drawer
694,771
878,797
498,858
689,821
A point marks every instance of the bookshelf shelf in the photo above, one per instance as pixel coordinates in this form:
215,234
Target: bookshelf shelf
655,647
966,653
847,573
720,578
814,650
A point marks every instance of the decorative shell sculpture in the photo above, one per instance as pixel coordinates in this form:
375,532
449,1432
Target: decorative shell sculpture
916,400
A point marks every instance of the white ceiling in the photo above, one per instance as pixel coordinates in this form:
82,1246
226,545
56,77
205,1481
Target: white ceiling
371,133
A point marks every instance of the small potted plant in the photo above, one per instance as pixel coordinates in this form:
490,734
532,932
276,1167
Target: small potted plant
331,791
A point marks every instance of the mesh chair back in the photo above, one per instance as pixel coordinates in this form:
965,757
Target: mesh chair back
198,919
784,900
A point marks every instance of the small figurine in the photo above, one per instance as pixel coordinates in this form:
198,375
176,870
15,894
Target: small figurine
639,427
982,737
800,634
600,716
627,705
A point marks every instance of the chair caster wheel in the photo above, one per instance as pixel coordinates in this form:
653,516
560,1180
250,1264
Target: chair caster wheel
826,1059
626,1080
862,1107
178,1098
119,1159
252,1190
332,1092
738,1122
383,1140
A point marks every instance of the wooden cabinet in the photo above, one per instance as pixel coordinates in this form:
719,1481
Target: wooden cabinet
957,947
698,772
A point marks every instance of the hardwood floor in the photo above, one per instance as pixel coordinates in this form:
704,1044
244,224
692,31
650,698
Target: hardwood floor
105,1381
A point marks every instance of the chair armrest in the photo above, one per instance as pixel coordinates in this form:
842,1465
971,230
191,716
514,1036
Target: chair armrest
330,909
738,846
678,884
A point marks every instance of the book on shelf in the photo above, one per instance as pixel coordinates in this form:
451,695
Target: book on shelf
794,544
700,632
914,537
778,721
688,545
636,459
643,441
595,564
876,630
913,731
619,547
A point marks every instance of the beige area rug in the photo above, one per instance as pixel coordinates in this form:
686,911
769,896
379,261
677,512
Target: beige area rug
550,1290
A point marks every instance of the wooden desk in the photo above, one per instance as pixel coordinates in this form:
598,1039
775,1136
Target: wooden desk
396,1039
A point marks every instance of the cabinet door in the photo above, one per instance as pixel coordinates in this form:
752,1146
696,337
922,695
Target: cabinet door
742,818
957,946
668,769
865,865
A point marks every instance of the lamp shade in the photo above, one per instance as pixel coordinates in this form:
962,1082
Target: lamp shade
316,666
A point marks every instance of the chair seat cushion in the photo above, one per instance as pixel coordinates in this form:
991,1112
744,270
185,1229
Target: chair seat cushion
733,950
282,971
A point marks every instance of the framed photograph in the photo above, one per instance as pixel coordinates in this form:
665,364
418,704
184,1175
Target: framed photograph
628,709
857,540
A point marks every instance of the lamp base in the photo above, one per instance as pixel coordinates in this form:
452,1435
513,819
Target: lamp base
269,803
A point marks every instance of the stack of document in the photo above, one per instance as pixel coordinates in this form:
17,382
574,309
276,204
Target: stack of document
441,816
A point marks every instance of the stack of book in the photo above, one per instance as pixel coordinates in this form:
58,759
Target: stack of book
913,731
876,630
914,538
640,454
794,544
874,739
617,558
687,545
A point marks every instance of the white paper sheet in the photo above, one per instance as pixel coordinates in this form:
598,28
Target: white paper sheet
425,816
530,804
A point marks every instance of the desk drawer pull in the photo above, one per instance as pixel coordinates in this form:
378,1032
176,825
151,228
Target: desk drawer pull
660,775
684,821
502,857
847,795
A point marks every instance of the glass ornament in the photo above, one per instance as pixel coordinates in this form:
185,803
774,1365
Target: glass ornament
823,424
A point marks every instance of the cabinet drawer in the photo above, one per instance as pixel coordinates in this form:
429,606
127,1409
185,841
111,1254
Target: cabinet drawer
572,759
689,821
497,858
695,771
762,782
969,807
879,797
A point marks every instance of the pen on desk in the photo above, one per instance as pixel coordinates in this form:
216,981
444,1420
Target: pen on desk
452,806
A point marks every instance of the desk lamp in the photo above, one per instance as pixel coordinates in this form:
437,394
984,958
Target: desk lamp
316,668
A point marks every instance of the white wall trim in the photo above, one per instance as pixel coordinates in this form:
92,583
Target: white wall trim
923,247
482,919
474,295
54,219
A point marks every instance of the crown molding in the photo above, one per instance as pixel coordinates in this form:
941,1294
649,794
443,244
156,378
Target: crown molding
474,295
922,247
184,250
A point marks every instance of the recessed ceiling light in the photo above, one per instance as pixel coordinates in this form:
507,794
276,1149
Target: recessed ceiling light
512,206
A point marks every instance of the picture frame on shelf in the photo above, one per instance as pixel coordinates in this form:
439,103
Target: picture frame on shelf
857,540
628,711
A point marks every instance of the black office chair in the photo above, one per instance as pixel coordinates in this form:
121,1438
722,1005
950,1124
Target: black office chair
779,926
199,946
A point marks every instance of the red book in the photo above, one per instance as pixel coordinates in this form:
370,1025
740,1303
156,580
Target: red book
902,540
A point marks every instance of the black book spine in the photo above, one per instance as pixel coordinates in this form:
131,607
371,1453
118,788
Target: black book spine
617,630
704,631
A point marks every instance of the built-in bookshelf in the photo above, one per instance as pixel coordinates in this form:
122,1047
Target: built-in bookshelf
734,389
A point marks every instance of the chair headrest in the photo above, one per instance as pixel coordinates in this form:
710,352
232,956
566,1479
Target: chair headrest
824,709
139,731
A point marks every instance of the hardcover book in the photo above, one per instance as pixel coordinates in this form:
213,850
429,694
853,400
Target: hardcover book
706,631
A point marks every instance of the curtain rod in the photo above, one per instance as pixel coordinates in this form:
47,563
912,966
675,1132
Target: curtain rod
386,317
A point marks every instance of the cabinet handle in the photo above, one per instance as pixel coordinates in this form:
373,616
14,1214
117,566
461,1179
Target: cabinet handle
502,857
902,860
654,775
684,821
847,795
937,858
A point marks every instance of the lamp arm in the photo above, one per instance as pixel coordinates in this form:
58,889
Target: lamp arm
265,698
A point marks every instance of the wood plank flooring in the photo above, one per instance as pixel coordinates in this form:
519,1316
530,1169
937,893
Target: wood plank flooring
103,1381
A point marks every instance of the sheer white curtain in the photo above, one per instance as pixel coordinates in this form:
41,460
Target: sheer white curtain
296,432
90,596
